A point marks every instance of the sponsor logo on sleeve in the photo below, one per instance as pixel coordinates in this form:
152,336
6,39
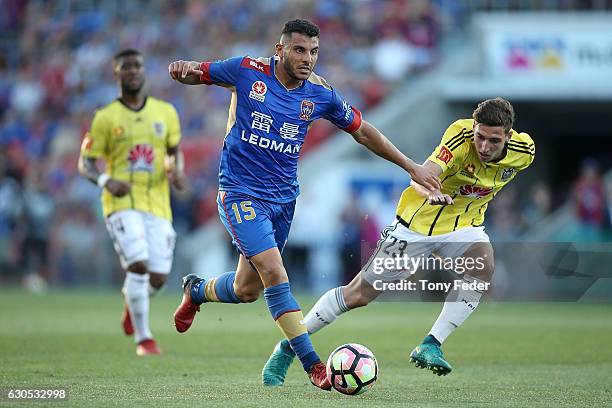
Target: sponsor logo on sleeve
87,142
444,155
255,65
347,110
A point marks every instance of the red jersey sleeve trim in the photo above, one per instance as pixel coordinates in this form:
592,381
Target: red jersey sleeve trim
356,123
205,77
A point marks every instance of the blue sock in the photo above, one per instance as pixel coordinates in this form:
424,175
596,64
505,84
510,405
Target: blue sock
219,289
224,288
288,316
197,292
430,339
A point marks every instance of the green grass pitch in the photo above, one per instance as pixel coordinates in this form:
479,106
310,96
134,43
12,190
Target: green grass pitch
506,355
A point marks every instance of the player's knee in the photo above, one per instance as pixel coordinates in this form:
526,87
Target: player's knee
273,272
485,272
247,295
139,267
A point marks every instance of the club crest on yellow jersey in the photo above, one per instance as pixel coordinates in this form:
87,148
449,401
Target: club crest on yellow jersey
507,174
159,129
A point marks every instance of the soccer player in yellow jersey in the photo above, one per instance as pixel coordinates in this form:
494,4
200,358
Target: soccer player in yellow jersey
476,158
137,137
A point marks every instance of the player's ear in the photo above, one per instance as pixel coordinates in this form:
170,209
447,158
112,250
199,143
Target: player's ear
279,49
116,69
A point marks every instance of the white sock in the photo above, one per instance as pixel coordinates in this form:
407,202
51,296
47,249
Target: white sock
458,306
136,291
326,310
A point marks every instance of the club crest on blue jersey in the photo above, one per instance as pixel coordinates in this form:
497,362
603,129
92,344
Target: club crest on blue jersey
306,109
258,91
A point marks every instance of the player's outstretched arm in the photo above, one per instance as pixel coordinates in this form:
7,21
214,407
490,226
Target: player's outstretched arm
377,143
89,169
435,197
186,72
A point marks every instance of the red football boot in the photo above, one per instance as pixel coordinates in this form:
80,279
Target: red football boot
126,322
318,376
186,311
147,347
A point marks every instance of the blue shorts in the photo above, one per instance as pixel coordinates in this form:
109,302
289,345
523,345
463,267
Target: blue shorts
255,225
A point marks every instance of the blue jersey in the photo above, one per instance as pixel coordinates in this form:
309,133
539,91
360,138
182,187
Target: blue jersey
267,125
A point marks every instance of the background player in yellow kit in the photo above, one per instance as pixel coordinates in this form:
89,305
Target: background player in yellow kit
476,158
137,136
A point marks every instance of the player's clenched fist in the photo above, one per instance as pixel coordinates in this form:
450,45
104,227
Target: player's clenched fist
117,188
186,72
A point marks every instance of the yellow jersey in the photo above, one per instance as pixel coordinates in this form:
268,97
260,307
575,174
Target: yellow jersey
133,144
471,183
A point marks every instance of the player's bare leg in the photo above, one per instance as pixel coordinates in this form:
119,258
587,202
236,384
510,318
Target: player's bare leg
287,314
247,285
458,306
243,286
333,303
126,321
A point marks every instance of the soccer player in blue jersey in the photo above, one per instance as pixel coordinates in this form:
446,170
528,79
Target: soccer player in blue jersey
274,102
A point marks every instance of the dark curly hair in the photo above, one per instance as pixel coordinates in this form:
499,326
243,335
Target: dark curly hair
304,27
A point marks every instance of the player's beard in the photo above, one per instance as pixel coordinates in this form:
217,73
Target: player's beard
292,71
126,89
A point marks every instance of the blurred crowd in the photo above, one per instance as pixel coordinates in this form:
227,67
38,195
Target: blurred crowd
587,200
55,71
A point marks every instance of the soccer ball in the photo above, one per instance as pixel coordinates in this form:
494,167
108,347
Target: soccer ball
352,369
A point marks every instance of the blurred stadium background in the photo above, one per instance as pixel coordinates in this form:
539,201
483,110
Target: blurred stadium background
413,67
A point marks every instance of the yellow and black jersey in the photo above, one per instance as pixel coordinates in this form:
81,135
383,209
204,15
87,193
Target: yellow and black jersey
133,144
471,183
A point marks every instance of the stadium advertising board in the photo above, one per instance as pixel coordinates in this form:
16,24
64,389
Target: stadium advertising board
542,45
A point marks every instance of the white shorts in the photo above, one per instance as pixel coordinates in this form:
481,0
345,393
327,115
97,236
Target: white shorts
142,237
398,241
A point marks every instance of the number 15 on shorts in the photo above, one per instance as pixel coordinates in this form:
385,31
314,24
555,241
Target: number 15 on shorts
246,209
